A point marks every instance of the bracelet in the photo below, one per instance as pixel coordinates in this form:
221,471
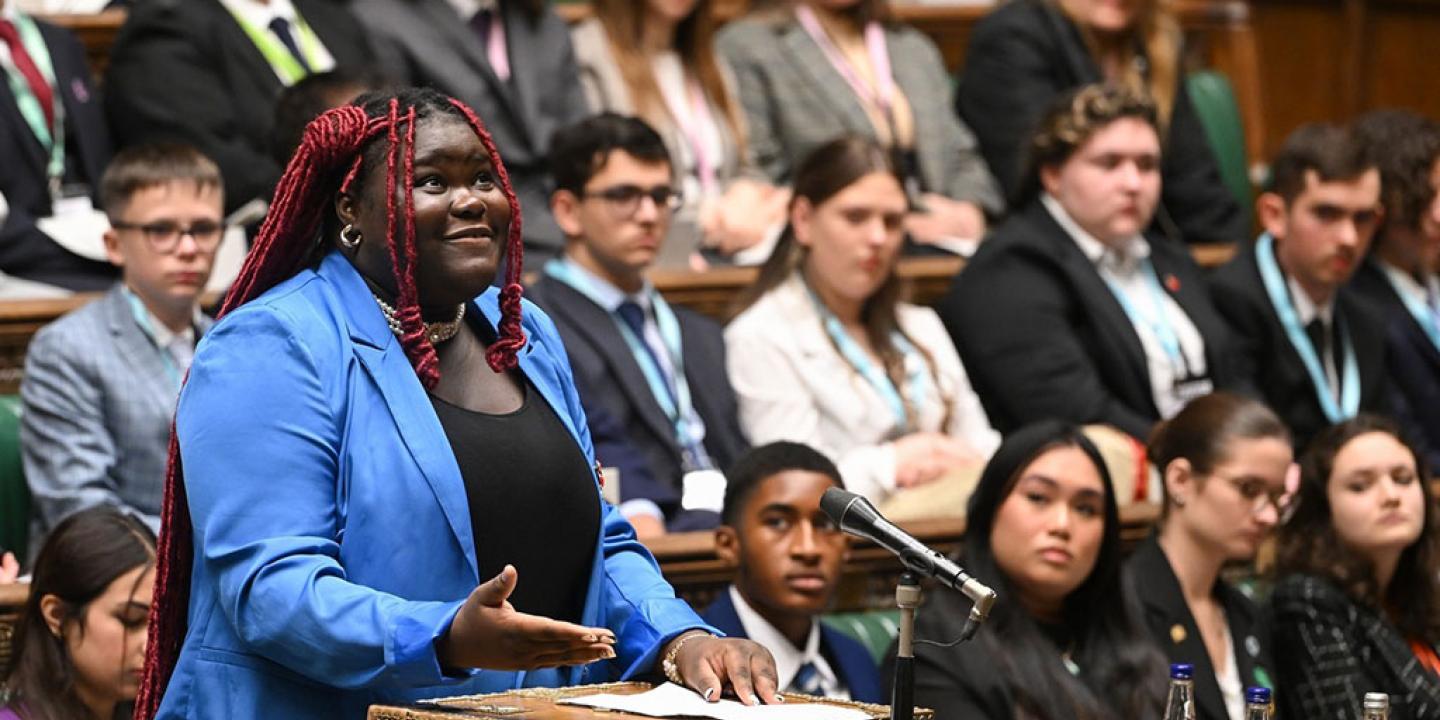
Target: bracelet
672,672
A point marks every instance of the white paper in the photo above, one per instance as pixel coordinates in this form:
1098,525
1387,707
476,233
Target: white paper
671,700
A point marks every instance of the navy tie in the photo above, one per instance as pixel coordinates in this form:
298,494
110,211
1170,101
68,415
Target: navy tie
634,317
281,27
808,681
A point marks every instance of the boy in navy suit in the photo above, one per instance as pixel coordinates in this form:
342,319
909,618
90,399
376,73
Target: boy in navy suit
788,557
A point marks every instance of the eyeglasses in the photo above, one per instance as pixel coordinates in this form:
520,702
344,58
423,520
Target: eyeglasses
624,200
1258,492
163,236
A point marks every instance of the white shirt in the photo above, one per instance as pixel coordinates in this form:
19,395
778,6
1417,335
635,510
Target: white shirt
1306,310
1122,269
1408,287
1231,689
466,9
259,15
788,658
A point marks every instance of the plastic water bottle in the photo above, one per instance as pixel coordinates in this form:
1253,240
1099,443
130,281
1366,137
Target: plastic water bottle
1377,707
1257,703
1180,701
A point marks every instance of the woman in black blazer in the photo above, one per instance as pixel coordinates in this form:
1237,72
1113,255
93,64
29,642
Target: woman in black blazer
1224,460
1028,52
1071,310
1064,640
1357,608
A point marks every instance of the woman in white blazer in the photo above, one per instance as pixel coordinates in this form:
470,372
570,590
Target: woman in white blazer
824,353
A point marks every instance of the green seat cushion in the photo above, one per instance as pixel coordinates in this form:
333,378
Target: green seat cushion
875,629
1214,101
14,495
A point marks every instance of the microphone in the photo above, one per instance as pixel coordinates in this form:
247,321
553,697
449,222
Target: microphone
855,515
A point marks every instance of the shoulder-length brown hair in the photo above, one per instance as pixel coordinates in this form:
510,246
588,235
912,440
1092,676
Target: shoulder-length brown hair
1308,544
1156,33
821,175
624,21
83,555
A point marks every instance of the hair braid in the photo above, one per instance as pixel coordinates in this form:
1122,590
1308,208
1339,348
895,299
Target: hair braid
501,354
332,142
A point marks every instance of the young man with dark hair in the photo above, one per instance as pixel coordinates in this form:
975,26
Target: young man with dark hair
655,372
788,557
1315,348
1400,274
101,382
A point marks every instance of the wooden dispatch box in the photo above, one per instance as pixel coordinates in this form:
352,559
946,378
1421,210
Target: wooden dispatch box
539,704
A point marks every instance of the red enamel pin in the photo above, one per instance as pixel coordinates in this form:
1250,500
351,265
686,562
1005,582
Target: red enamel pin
1172,283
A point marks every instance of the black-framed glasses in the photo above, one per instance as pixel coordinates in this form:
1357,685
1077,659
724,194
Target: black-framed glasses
163,236
624,200
1257,492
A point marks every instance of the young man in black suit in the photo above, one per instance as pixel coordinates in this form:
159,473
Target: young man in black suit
52,136
788,557
1315,348
658,371
1400,275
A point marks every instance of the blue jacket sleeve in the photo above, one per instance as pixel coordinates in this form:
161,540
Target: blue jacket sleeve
260,426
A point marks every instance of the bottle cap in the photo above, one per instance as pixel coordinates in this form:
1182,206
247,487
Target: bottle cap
1377,701
1258,695
1181,671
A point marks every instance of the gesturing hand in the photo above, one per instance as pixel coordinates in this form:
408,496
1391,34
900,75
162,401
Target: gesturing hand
707,665
488,633
9,568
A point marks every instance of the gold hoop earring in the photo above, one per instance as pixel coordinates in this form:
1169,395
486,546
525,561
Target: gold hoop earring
349,237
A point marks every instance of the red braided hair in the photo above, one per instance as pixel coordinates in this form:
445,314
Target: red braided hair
333,142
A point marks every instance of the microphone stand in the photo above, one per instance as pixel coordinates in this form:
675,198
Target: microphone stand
902,695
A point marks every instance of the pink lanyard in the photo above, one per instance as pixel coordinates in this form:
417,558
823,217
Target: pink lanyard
692,125
496,50
883,95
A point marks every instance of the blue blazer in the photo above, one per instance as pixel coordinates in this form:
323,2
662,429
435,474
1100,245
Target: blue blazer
333,543
850,660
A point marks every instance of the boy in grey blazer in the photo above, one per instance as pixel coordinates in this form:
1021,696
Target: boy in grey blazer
100,383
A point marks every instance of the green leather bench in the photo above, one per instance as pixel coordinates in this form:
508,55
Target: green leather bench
14,495
1214,101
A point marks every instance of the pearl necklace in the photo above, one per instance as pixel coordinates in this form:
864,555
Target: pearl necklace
437,332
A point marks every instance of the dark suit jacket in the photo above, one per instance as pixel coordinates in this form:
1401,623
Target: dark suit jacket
185,71
1266,354
1165,609
849,659
1043,336
543,94
1330,651
1022,57
1412,360
25,251
611,382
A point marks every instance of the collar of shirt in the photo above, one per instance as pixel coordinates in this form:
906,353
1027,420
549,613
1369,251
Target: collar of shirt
788,658
158,331
1406,283
466,9
1121,260
604,294
259,14
9,11
1305,308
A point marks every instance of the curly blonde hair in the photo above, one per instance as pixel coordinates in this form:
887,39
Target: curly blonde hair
1073,120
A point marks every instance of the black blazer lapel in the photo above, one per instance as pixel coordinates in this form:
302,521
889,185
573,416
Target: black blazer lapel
1117,337
1172,625
11,118
463,41
524,89
599,332
1181,281
227,35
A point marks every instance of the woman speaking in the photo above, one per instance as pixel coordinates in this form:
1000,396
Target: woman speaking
370,432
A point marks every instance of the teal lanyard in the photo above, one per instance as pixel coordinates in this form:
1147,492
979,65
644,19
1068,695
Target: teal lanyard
915,381
1274,281
142,318
1428,316
51,137
1158,323
674,398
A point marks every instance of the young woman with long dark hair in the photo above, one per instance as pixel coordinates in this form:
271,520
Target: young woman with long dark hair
1357,604
825,353
1064,641
80,644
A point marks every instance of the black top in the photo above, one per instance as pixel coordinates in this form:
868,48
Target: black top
533,502
1172,625
1412,361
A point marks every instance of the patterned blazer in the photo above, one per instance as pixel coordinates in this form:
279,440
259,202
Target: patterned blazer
1329,652
795,101
97,403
